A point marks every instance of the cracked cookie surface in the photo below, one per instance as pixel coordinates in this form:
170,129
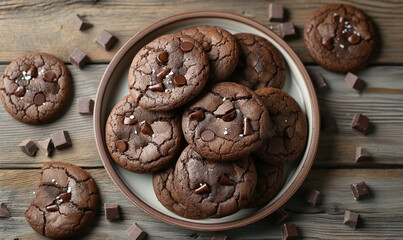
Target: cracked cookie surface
142,141
35,88
260,63
218,189
65,202
221,48
340,38
288,128
227,122
168,72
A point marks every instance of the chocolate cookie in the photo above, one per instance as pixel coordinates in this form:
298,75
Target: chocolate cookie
340,38
168,72
218,189
65,203
227,122
260,63
288,128
268,183
167,194
142,141
35,88
221,48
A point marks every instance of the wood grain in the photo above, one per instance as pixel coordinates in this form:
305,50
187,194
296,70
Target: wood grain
46,25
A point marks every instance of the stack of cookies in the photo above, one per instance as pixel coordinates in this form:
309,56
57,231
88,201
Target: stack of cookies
207,116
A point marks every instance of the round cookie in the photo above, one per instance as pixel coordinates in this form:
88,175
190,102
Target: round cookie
168,72
225,123
218,189
167,194
142,141
221,48
288,128
268,183
340,38
65,202
35,88
260,63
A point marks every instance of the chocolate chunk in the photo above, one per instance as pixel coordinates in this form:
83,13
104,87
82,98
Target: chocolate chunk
207,135
272,110
311,196
361,154
289,132
121,145
129,120
247,127
206,46
226,181
80,23
279,216
328,43
49,76
4,213
351,219
145,128
203,189
157,87
360,123
289,231
219,236
287,29
52,208
354,82
85,106
276,12
229,116
318,81
135,233
354,38
328,123
39,99
78,58
45,146
163,57
198,115
32,71
112,211
61,140
163,73
106,40
360,190
20,91
28,147
179,80
186,46
337,18
65,197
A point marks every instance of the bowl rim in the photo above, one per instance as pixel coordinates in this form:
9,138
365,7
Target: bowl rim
107,162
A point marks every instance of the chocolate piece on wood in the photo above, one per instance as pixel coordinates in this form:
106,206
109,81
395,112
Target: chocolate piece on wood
287,29
28,147
4,213
80,23
219,236
311,196
112,211
318,81
361,154
78,58
85,106
46,146
351,219
279,216
61,140
289,231
360,190
135,233
276,12
360,123
328,123
106,40
354,82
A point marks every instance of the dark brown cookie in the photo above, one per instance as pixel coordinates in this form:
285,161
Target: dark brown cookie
288,128
35,88
218,189
167,194
142,141
65,203
221,48
340,38
168,72
227,122
260,63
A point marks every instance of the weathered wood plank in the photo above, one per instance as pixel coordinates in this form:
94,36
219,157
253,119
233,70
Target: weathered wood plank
382,214
45,25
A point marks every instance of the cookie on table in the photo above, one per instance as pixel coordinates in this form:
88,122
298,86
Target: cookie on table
168,72
260,63
35,88
142,141
227,122
65,202
288,128
340,38
221,48
218,189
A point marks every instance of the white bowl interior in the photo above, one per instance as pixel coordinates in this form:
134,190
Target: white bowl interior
141,184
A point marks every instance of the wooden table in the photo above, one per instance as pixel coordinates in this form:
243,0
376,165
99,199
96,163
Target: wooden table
45,26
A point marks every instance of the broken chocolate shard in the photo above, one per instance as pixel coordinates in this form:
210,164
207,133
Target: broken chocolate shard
350,219
136,233
360,123
203,189
287,29
163,73
198,115
318,81
106,40
61,140
276,12
80,23
229,116
145,128
289,231
52,208
112,211
4,212
361,154
85,106
157,87
78,58
226,181
28,147
359,190
46,146
247,127
311,196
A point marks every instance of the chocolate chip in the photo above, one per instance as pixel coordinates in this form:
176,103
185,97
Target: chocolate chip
318,81
85,106
354,82
20,91
360,190
311,196
360,123
163,57
145,128
186,46
39,99
49,76
203,189
279,216
229,116
112,211
28,147
65,197
4,213
361,154
206,46
289,231
226,181
121,145
276,12
272,110
80,23
327,43
135,233
247,127
350,219
354,38
328,123
45,146
207,135
78,58
61,140
198,115
32,71
287,29
289,132
129,120
163,73
179,80
219,236
106,40
52,208
157,87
